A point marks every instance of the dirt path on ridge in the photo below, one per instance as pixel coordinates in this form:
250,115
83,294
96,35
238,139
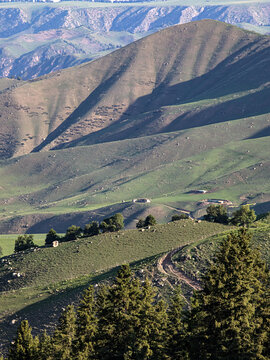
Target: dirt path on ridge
166,266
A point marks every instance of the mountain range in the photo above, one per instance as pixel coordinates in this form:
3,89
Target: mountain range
38,38
183,109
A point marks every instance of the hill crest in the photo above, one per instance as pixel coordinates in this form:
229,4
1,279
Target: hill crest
123,91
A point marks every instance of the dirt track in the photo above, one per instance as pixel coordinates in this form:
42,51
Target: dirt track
166,266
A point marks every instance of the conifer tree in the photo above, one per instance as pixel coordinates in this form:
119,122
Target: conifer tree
24,346
228,319
86,327
151,330
130,325
64,335
45,348
117,316
176,329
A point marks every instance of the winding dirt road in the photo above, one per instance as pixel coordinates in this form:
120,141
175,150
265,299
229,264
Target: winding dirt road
166,266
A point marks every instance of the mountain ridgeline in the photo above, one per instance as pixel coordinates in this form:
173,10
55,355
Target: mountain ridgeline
207,71
185,108
36,39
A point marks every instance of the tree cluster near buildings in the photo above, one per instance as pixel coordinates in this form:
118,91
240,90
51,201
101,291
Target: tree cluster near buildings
111,224
241,217
229,317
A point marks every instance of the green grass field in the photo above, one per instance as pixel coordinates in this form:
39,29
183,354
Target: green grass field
53,277
7,242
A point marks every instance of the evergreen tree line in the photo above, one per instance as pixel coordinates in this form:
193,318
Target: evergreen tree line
229,318
111,224
73,232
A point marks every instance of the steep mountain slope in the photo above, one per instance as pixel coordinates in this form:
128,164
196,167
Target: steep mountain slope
88,29
149,120
209,70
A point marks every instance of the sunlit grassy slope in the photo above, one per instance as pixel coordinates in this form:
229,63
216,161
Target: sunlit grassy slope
150,120
225,159
52,277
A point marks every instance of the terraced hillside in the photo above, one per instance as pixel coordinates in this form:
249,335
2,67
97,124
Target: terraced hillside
149,120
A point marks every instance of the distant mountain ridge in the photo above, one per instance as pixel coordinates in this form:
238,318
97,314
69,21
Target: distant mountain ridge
36,33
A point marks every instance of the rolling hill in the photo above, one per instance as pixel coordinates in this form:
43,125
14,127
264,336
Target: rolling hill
148,120
53,277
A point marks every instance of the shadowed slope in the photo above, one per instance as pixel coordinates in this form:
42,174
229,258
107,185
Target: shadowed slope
170,67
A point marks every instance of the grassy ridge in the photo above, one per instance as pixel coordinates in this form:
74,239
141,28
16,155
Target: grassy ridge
53,277
102,252
196,258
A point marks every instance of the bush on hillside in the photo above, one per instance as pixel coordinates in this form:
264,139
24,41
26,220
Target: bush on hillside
140,224
112,224
51,237
180,217
243,216
91,229
148,221
24,242
72,233
217,213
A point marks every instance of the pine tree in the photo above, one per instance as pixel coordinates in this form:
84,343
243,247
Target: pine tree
117,316
86,327
243,216
176,329
45,348
130,325
64,334
228,316
151,330
24,346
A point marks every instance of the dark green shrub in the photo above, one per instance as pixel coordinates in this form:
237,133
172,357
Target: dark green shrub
243,216
140,224
24,242
217,213
91,229
112,224
180,217
150,220
51,237
72,233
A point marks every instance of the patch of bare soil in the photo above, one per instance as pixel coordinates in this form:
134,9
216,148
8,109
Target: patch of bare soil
166,266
